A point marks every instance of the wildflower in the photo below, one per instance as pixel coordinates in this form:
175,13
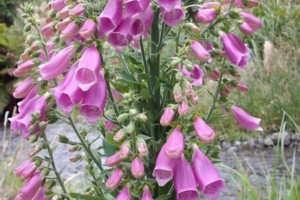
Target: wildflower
167,117
114,179
205,133
174,146
137,167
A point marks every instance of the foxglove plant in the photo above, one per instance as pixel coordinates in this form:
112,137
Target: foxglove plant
137,70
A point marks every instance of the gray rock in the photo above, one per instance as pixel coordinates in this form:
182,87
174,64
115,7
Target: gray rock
251,143
225,145
245,145
296,137
276,137
237,144
287,140
232,150
260,140
268,141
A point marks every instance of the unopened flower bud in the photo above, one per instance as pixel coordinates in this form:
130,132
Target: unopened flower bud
63,139
133,112
137,167
214,75
167,117
177,93
194,98
141,117
142,147
114,179
76,158
118,137
122,117
130,128
179,76
75,148
242,87
34,138
125,150
183,109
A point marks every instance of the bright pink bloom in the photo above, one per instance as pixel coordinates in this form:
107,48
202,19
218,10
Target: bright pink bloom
57,5
172,11
94,100
64,13
184,181
242,87
88,29
183,109
109,126
121,37
251,23
137,167
24,68
24,88
199,51
40,195
205,133
167,117
245,120
77,10
235,49
124,194
146,194
19,170
113,160
67,93
63,24
30,95
196,75
47,30
206,175
208,12
31,186
141,23
88,68
136,6
70,31
111,17
174,145
239,3
114,179
57,64
163,170
29,171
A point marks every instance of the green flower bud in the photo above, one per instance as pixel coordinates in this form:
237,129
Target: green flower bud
141,117
133,112
27,28
130,128
63,139
122,117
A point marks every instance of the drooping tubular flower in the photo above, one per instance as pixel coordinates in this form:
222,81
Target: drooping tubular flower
208,12
141,23
199,51
88,68
136,6
121,37
205,133
24,68
124,194
206,175
167,117
251,23
196,75
184,181
67,93
174,145
70,31
88,29
172,12
24,88
31,186
245,120
57,5
94,100
57,64
77,10
110,18
137,167
242,87
163,171
114,179
47,30
235,49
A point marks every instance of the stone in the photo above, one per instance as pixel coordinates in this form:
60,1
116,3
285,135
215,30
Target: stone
268,141
260,140
225,145
251,143
232,150
237,143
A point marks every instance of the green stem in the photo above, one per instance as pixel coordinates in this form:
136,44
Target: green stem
215,98
85,145
145,62
42,40
111,98
53,163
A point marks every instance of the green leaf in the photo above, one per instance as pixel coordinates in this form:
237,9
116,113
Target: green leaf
164,197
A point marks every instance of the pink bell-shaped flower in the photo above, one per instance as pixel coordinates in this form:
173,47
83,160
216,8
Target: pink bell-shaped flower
24,68
136,6
196,75
111,17
141,23
24,88
114,179
88,29
235,49
163,170
208,12
109,126
199,51
206,175
174,145
70,31
251,23
31,186
57,5
88,68
121,37
113,160
242,87
47,30
167,117
40,195
124,194
245,120
184,181
77,10
146,194
57,64
205,133
63,24
137,167
172,12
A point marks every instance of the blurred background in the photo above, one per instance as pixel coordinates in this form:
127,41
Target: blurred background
273,77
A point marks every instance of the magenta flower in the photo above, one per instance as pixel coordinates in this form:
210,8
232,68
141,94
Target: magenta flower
146,194
167,117
114,179
124,194
141,23
196,75
208,12
57,64
113,160
183,109
109,126
205,133
67,93
199,51
172,12
245,120
24,88
163,170
24,68
88,68
47,30
206,175
214,75
88,29
70,31
136,6
242,87
57,5
30,95
251,23
121,37
64,13
40,195
184,181
63,24
142,147
94,100
137,167
77,10
29,171
31,186
23,167
111,17
174,145
235,49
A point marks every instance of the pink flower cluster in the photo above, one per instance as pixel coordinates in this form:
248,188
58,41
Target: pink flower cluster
32,188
